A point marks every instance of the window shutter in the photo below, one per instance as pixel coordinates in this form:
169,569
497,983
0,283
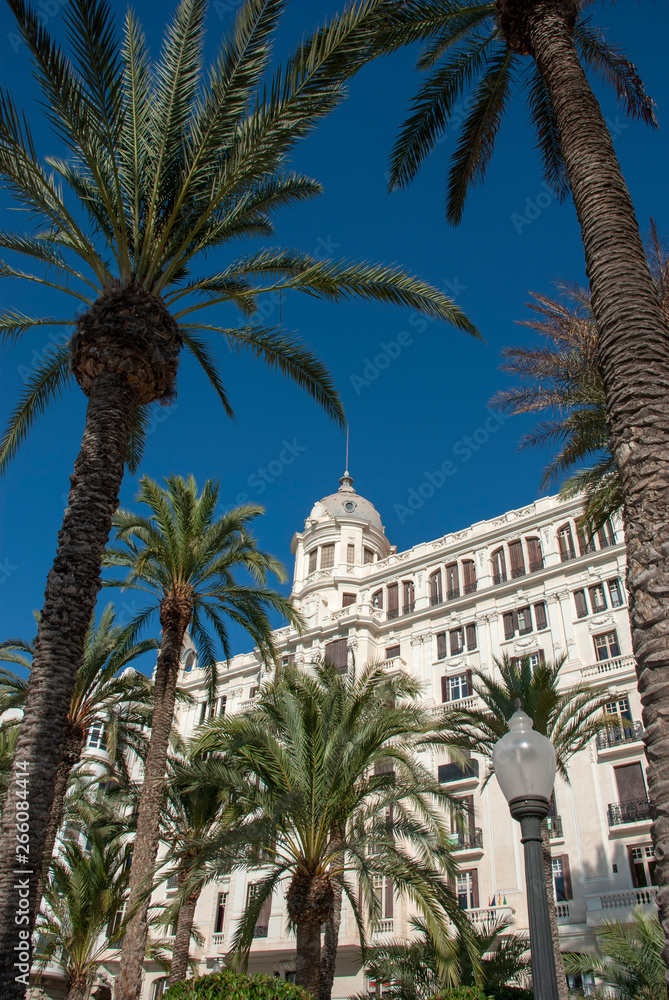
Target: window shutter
347,600
471,636
441,645
469,571
469,812
444,689
336,653
535,554
542,657
470,689
566,874
509,626
312,560
389,899
350,554
392,598
475,887
392,651
581,604
540,615
517,561
514,661
263,918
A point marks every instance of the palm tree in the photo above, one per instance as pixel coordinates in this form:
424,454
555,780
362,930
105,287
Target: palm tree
628,959
569,718
84,899
547,46
420,969
197,809
564,377
164,167
106,695
327,766
185,557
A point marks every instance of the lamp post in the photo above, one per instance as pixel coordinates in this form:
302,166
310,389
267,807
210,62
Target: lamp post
524,763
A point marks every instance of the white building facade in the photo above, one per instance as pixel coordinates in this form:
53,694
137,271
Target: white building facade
526,582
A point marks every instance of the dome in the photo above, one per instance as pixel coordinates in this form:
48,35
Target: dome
347,503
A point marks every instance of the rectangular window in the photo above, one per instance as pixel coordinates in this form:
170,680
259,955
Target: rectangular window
452,581
393,601
219,920
95,736
313,556
517,559
383,891
537,659
336,653
222,705
409,597
262,923
350,554
606,535
441,645
435,588
524,616
347,600
377,599
467,889
631,786
509,625
566,543
392,652
469,573
540,615
606,645
562,879
327,556
615,593
498,567
470,632
535,555
367,556
458,687
642,865
457,641
585,542
581,604
597,597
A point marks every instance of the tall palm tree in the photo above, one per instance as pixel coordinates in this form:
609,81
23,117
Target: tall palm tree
334,793
420,969
547,46
628,959
185,557
197,809
569,717
564,378
164,166
106,695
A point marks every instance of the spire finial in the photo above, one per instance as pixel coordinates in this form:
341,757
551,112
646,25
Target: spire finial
346,483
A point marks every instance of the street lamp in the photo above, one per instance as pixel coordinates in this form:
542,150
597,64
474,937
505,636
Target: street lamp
524,763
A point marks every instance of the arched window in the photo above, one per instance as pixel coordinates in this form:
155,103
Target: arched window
377,599
517,559
585,542
436,594
189,662
606,535
409,597
393,601
158,987
469,574
566,543
498,566
452,581
535,555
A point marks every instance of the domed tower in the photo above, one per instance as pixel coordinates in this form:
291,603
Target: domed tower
342,534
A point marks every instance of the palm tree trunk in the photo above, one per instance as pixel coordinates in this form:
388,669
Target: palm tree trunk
563,990
79,988
175,614
330,943
74,743
308,957
634,359
181,949
69,601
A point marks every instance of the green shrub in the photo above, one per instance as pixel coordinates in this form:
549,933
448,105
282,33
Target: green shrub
234,986
462,993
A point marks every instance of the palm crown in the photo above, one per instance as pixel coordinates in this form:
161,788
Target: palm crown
474,73
166,168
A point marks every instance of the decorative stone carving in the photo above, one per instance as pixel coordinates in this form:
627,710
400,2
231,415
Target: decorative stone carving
522,646
601,622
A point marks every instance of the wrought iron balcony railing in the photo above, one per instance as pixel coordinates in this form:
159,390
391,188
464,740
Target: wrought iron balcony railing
536,566
408,608
629,732
634,811
499,578
554,825
468,840
454,772
453,593
517,571
469,588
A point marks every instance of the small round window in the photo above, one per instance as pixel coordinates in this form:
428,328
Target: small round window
350,506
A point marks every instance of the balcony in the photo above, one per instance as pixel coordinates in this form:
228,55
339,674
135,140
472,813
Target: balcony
486,917
634,811
435,599
517,571
619,905
455,772
392,613
469,588
467,840
562,911
408,608
555,827
617,664
498,578
383,926
536,566
567,554
452,594
631,732
217,939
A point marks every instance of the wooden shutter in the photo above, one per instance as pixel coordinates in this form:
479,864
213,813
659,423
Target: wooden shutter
534,553
517,560
392,651
312,560
470,689
441,645
566,875
542,657
457,641
471,635
393,599
435,587
469,571
408,595
470,820
629,779
475,887
347,599
540,615
509,625
263,918
581,603
389,899
336,653
445,696
452,580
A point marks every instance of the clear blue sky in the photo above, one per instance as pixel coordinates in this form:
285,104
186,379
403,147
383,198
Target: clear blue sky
417,411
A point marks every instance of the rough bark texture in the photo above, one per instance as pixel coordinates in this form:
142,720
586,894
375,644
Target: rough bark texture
175,615
79,988
181,949
563,989
73,746
71,591
308,957
634,359
329,950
